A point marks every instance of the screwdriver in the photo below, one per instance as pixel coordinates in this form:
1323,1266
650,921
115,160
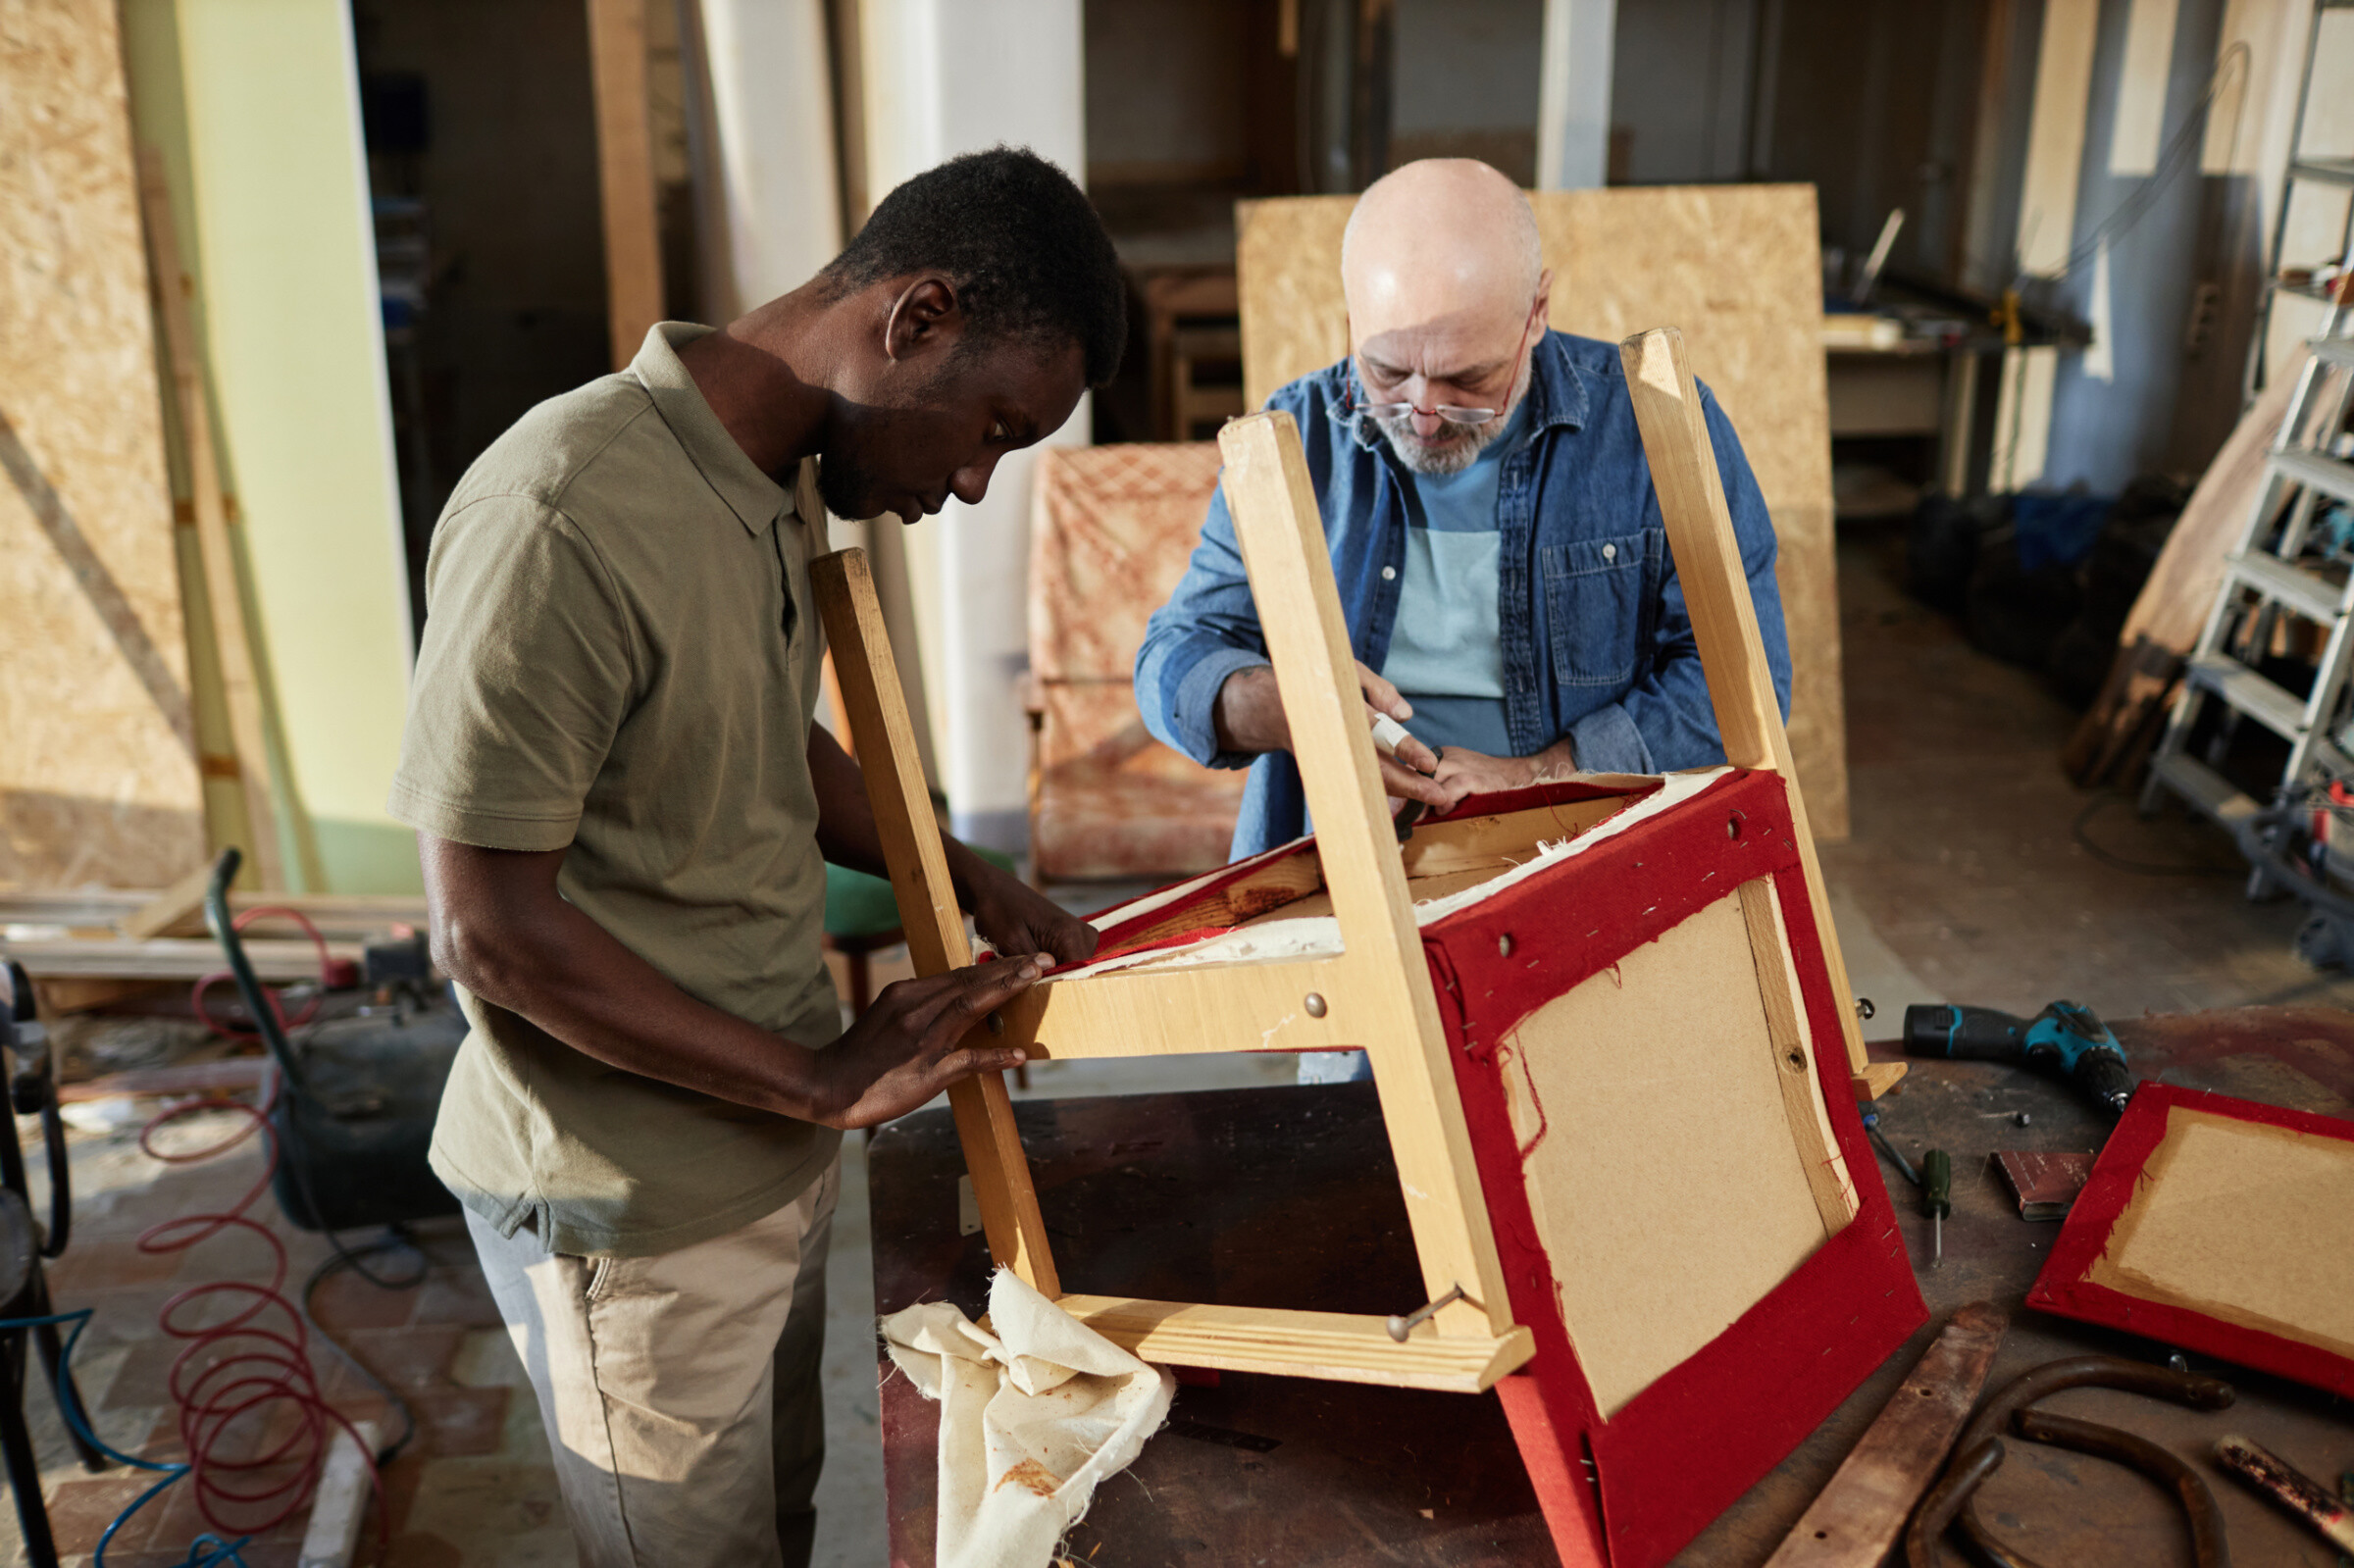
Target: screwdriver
1936,1197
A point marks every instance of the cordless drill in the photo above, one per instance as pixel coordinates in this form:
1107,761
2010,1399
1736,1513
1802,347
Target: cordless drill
2065,1038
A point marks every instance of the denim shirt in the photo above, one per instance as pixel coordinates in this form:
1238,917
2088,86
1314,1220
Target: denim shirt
1597,644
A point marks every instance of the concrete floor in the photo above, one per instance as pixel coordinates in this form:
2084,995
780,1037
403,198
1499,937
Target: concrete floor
1963,879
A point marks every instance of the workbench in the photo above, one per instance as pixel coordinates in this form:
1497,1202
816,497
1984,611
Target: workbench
1287,1196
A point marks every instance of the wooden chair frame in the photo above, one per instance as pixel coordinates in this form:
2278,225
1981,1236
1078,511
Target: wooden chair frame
1376,993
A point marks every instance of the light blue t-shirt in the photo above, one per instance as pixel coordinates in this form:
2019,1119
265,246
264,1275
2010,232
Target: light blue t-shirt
1445,654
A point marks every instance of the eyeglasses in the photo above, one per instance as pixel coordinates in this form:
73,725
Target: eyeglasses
1445,411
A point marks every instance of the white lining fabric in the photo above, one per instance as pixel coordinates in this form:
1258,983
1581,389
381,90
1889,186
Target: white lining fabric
1036,1411
1319,936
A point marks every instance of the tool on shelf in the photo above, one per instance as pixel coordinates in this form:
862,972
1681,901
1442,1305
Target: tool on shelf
2066,1038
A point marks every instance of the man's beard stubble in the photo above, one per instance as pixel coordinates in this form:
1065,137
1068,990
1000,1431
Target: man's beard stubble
1453,449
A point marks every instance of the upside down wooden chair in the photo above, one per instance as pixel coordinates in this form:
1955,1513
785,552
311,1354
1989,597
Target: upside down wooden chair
1608,1020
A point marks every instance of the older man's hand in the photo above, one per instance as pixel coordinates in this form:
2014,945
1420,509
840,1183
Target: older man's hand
1464,772
1250,717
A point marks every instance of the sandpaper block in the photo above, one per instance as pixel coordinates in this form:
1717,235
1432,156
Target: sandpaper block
2045,1184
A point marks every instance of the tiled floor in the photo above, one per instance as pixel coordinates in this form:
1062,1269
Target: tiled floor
1963,879
474,1486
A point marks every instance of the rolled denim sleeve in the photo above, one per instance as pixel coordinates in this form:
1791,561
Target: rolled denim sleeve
1607,741
1668,711
1207,632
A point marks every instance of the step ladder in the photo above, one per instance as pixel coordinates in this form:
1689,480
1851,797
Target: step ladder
2274,572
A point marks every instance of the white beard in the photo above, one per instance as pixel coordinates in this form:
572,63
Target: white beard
1455,448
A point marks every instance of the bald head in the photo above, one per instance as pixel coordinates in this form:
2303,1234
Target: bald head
1446,282
1436,238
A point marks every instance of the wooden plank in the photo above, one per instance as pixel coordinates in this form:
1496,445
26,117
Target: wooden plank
60,995
1504,841
231,1075
1241,1007
1270,888
240,684
1281,535
625,167
170,958
877,710
1341,1347
1725,623
176,911
2173,606
345,915
1803,1106
1855,1520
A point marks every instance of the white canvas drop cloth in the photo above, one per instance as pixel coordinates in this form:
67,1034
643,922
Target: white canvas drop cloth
1033,1417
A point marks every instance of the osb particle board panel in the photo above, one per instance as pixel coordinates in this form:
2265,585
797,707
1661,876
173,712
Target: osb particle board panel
1739,268
1652,1123
98,778
2244,1222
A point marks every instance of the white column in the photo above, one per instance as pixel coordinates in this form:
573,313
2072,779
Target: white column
1574,94
779,214
2047,226
944,77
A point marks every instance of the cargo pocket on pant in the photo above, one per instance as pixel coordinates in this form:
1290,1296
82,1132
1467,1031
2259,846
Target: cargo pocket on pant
1594,607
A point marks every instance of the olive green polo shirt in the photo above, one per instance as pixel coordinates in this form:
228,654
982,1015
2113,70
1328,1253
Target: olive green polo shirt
619,660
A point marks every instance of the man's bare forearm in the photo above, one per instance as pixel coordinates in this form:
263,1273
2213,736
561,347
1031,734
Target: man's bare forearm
1247,714
503,931
846,832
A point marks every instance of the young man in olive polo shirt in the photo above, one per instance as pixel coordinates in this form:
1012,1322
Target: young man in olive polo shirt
624,812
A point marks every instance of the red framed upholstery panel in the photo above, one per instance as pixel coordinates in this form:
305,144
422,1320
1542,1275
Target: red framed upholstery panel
1683,1449
2064,1289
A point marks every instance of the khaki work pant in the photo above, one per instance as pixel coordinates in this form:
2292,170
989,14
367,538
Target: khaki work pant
679,1392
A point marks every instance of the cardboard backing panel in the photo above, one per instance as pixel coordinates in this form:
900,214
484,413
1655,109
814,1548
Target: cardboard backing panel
1738,268
2250,1222
1604,1084
98,775
2221,1225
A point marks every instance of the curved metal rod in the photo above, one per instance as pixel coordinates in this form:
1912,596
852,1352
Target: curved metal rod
1937,1510
2198,1391
2159,1464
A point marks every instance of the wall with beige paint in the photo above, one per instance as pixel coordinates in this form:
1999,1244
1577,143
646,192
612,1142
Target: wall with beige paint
254,105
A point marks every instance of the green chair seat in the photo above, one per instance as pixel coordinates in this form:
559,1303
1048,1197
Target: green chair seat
861,907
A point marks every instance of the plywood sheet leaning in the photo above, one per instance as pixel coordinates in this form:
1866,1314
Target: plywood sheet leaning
1739,267
98,772
2171,608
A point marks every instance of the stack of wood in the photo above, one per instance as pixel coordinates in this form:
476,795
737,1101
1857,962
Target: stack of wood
88,948
2116,736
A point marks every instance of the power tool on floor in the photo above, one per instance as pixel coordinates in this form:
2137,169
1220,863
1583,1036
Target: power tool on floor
2065,1038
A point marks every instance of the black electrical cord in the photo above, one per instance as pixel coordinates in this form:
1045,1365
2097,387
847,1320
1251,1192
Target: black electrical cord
2175,156
2138,868
394,1240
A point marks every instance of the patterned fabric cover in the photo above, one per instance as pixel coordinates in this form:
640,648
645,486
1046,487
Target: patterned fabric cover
1110,531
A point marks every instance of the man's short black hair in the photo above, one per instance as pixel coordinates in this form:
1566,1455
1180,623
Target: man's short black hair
1020,241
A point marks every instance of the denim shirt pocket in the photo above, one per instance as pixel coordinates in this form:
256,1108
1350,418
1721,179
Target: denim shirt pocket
1596,607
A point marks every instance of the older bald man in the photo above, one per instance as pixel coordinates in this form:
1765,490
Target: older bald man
1498,544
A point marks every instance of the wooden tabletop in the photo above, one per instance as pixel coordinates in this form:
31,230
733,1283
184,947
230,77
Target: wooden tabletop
1286,1197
